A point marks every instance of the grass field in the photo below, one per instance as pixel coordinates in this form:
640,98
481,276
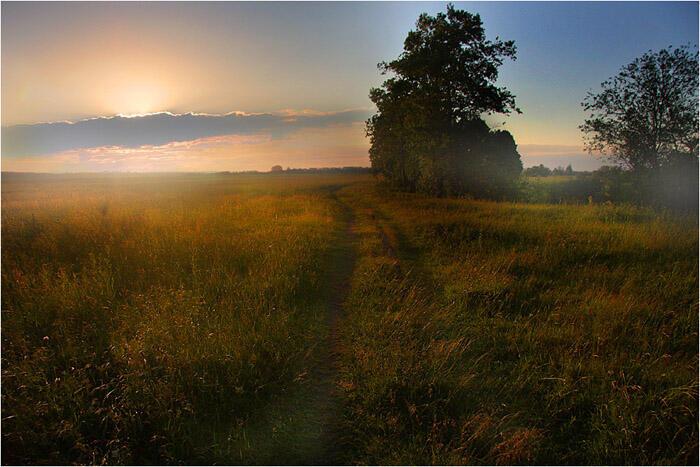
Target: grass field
319,318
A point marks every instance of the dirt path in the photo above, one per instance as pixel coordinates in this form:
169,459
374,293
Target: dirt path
302,427
342,262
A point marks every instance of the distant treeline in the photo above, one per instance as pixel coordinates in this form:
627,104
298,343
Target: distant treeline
673,187
326,170
310,170
543,171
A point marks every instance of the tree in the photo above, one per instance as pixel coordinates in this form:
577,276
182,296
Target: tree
276,168
648,113
568,170
428,134
538,171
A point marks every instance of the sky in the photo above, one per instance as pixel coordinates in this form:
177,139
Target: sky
243,86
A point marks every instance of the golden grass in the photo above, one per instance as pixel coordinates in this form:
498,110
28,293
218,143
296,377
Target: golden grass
145,318
179,319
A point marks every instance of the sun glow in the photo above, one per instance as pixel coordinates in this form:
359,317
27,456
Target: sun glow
136,99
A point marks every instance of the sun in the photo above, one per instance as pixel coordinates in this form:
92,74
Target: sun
137,98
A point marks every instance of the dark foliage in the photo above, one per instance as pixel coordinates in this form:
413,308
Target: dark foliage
538,171
428,134
673,187
645,120
648,112
542,171
563,171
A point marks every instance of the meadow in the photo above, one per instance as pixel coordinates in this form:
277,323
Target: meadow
306,318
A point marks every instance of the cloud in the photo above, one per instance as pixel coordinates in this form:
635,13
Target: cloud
160,129
235,141
329,146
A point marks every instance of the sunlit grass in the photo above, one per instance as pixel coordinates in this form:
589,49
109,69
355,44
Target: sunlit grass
149,318
179,319
512,333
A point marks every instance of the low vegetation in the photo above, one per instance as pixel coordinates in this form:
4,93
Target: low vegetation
667,189
182,319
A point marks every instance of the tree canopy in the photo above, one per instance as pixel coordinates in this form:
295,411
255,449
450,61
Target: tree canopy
645,119
428,134
646,115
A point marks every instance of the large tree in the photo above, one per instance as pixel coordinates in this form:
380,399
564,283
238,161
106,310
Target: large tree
428,134
646,117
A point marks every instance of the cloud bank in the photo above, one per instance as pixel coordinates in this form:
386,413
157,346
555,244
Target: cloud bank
330,146
236,141
160,129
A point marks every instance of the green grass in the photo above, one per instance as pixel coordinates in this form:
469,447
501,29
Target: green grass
511,333
185,319
570,189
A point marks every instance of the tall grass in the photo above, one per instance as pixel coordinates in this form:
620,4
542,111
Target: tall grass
483,332
151,318
182,318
